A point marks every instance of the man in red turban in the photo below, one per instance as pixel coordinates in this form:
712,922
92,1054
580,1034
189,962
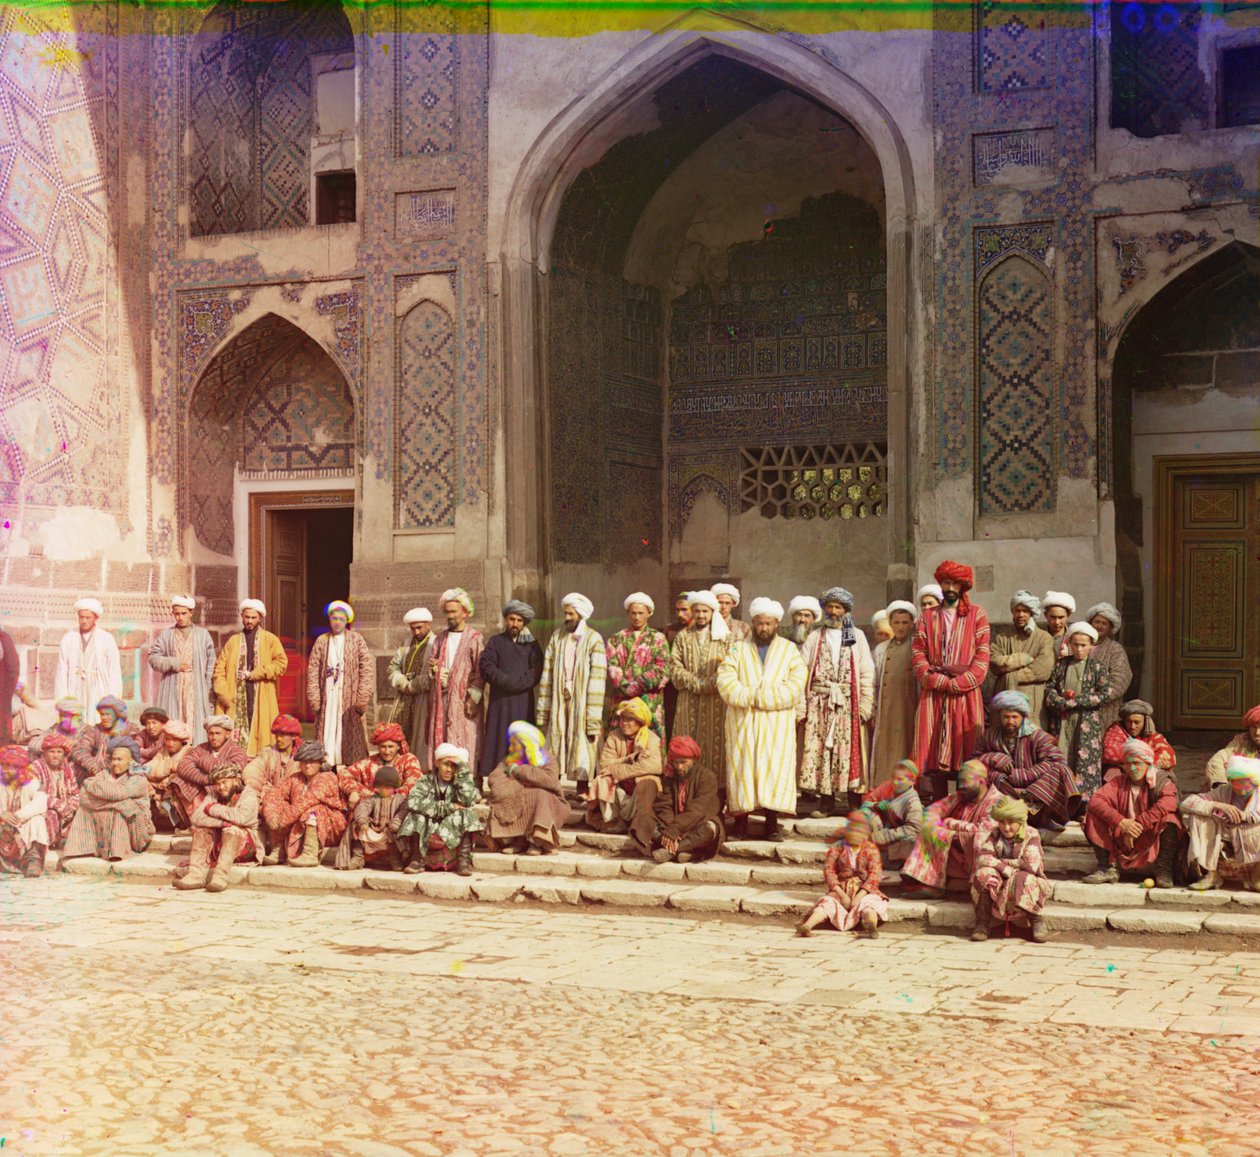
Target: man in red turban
359,779
1246,742
950,656
687,810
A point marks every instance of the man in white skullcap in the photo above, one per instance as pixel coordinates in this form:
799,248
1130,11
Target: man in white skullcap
246,677
411,677
1058,607
638,662
1021,655
694,660
88,665
728,599
805,611
570,703
183,657
761,681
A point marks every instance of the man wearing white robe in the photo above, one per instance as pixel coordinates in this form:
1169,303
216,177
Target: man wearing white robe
761,681
88,665
569,706
183,657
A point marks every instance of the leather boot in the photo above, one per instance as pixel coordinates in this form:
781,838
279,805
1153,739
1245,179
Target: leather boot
1169,842
198,861
826,807
1105,873
1040,933
1210,880
772,832
416,863
699,839
463,857
309,855
983,912
33,861
738,827
229,848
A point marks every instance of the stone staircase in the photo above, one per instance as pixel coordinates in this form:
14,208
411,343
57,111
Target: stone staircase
758,878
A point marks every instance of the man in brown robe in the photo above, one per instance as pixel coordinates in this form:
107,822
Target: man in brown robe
896,695
687,812
224,832
1021,654
527,804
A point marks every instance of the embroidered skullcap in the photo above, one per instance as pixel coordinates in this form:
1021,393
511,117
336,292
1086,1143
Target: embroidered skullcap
765,606
311,751
384,732
519,607
837,595
805,603
1026,599
703,599
880,616
1011,701
643,601
54,740
1143,751
458,595
68,706
285,725
14,755
153,713
253,605
955,572
725,589
1108,612
186,601
124,741
932,589
227,771
114,704
340,605
450,751
1082,629
1059,599
1241,767
387,777
901,605
684,747
1252,717
178,729
580,603
533,743
224,721
90,604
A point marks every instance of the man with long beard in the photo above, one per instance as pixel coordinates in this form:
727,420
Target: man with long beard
570,702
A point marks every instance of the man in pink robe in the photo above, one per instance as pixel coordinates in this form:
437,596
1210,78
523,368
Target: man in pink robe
458,686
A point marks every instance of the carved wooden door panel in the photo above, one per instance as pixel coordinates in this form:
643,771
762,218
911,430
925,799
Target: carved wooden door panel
1212,576
286,602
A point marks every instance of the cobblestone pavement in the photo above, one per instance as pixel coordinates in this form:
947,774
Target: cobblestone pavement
138,1021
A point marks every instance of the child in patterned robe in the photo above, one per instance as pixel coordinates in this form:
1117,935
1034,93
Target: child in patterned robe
854,902
1009,882
438,820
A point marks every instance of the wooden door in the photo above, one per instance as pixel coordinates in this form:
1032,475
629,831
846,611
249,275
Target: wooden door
1207,589
286,602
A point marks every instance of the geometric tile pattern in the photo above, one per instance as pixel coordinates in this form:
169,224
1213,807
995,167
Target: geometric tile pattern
1012,50
426,419
1157,84
1014,329
425,61
61,415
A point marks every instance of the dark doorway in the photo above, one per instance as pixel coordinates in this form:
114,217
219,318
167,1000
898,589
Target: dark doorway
303,546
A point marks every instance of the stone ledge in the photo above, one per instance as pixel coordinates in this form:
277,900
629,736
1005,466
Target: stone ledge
707,898
1064,918
1152,919
1099,895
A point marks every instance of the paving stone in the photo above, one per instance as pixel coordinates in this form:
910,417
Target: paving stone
1233,923
630,893
1099,895
647,870
778,903
801,852
497,889
494,862
905,911
946,914
559,864
707,898
711,873
595,868
444,886
312,879
605,843
1152,919
1065,918
1184,898
749,849
388,881
552,890
783,874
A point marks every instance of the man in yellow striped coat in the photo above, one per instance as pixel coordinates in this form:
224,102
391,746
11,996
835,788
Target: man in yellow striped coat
760,681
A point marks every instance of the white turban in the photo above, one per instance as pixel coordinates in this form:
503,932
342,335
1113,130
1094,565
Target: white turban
450,751
880,616
1082,629
932,589
805,603
725,589
901,605
643,601
580,603
418,615
186,601
1059,599
1026,599
718,629
93,605
764,606
253,605
1108,612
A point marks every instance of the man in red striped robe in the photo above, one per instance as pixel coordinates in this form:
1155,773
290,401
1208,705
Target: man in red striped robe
950,656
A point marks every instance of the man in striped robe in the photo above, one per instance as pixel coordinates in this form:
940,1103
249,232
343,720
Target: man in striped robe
951,659
113,820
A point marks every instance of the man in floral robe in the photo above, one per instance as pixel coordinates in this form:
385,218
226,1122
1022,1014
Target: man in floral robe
1009,883
439,819
457,686
1074,696
305,812
638,663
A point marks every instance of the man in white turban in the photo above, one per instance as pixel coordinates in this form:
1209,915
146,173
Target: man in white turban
638,662
183,657
457,691
88,664
570,704
805,611
694,660
1110,654
246,678
410,677
1021,654
1058,607
761,681
728,599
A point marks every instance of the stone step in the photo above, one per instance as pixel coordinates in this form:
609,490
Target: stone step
753,888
